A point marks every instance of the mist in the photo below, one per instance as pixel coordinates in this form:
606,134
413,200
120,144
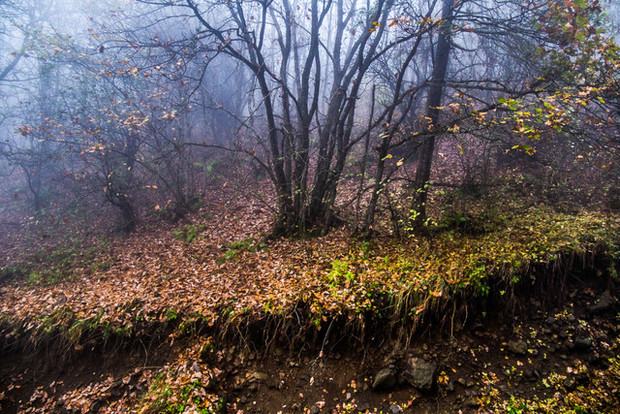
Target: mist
131,105
286,206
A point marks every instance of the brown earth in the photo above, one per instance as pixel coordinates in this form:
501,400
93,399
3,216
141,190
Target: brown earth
490,358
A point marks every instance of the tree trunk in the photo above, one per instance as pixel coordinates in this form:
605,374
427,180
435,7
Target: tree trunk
433,102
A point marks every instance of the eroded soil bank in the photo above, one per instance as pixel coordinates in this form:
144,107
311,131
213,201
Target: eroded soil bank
562,358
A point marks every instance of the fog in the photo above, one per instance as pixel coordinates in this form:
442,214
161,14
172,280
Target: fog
128,109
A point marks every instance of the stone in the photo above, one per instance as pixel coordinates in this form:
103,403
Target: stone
260,376
395,409
420,373
315,409
570,383
467,383
604,302
518,347
195,367
583,344
385,379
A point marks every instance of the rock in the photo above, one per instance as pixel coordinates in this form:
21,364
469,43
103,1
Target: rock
364,407
315,409
385,379
260,376
395,409
550,320
195,367
583,344
570,383
420,373
604,302
468,383
518,347
529,375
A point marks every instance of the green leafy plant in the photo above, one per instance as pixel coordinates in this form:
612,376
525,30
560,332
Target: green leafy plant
189,233
340,274
247,245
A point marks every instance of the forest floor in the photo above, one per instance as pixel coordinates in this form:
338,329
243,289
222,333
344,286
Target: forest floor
516,311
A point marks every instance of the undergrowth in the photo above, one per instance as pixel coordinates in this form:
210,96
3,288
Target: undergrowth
189,233
388,283
247,245
593,397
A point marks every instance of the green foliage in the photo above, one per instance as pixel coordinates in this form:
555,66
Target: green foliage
100,266
176,400
366,249
597,398
171,314
209,168
189,233
340,274
7,273
46,277
48,268
250,245
454,219
410,279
